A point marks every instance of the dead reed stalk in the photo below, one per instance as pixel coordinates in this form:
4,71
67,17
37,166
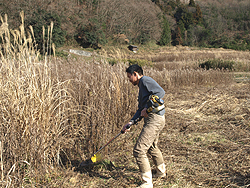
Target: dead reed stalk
35,108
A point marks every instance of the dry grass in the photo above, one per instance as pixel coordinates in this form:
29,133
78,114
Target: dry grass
179,57
208,136
57,112
35,109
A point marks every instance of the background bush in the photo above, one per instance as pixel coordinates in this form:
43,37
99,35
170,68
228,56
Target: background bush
40,18
218,64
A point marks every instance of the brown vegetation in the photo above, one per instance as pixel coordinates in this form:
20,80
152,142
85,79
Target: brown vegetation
57,112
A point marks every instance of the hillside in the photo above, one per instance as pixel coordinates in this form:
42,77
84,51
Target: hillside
93,24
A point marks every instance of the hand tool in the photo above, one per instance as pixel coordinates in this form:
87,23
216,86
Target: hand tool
96,156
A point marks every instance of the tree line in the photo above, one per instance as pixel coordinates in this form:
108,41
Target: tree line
93,23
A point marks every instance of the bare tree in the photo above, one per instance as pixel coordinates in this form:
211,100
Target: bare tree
132,18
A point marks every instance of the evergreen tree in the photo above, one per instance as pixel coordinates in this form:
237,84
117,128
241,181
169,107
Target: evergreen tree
187,19
178,39
191,3
181,25
166,33
198,14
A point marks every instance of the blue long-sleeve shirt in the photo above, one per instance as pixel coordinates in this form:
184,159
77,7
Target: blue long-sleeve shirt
148,86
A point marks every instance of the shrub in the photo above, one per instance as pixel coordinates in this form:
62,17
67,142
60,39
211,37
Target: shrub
112,61
61,54
217,64
140,62
42,18
90,35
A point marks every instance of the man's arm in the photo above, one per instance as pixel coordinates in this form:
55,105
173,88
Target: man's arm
154,88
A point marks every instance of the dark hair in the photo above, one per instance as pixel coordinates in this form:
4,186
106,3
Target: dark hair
134,68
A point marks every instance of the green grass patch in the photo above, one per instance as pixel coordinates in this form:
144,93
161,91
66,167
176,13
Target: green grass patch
140,62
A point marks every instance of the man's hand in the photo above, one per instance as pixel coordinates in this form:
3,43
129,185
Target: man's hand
144,113
124,129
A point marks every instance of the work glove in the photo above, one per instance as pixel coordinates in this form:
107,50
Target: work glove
125,127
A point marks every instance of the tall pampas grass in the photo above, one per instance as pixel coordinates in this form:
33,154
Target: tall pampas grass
53,112
34,107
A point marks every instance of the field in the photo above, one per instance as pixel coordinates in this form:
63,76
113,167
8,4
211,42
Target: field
57,111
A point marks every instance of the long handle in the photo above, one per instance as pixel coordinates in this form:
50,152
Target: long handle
107,143
135,121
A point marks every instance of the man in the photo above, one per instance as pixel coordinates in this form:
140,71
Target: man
153,124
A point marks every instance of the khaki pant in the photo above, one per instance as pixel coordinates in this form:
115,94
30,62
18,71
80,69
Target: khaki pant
147,142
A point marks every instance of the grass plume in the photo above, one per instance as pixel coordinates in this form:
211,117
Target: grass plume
34,108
